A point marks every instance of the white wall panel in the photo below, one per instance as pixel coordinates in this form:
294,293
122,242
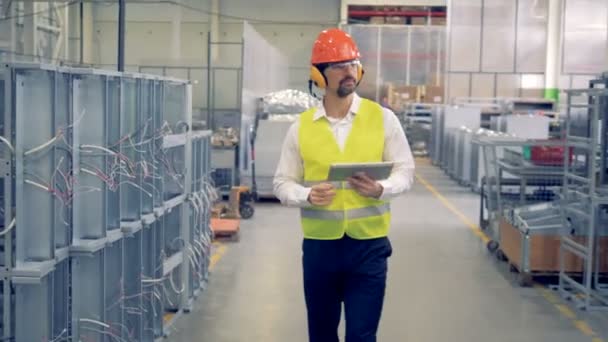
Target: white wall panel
152,71
458,85
532,93
483,85
154,11
149,44
465,16
294,41
149,38
498,45
585,36
225,96
180,73
105,46
310,11
193,44
564,82
532,35
199,88
507,85
298,78
582,81
521,49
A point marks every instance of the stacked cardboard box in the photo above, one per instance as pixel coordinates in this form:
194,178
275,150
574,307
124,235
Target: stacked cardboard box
395,20
399,96
438,21
433,94
418,21
376,20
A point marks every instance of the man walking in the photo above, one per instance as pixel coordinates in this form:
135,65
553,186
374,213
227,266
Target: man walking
345,225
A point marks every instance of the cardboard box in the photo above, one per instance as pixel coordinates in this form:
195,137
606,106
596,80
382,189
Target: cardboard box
376,20
400,96
438,21
544,251
395,20
418,21
433,94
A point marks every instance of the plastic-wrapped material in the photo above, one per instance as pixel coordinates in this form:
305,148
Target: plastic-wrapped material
283,117
288,101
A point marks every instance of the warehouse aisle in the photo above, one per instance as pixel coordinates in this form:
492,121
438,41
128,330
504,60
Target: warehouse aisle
442,285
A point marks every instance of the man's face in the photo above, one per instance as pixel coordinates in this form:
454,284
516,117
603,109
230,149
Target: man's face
342,77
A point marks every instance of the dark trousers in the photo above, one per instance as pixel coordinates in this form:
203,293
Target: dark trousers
346,271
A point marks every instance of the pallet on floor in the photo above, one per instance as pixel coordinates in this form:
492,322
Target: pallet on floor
226,228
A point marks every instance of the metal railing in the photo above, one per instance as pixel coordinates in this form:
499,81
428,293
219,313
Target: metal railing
585,202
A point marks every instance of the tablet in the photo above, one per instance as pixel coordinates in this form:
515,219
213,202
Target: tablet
377,171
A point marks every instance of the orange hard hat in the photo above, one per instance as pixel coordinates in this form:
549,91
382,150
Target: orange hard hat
333,45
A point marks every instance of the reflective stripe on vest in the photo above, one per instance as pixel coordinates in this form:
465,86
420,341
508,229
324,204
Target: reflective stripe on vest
336,185
350,214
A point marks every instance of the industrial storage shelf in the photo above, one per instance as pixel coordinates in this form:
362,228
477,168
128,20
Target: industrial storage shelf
585,197
121,231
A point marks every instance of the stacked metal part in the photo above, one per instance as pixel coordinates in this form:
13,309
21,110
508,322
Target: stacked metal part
446,124
602,81
105,204
417,124
544,217
584,244
455,147
519,172
490,107
533,127
435,144
477,166
496,114
529,245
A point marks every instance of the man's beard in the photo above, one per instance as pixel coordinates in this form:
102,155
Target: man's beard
344,91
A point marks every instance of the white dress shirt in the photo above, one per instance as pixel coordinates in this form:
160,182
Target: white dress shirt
290,171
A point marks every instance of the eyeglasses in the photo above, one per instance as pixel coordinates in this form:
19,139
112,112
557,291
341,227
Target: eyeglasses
344,65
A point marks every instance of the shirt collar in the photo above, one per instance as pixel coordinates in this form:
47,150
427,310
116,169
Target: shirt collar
354,108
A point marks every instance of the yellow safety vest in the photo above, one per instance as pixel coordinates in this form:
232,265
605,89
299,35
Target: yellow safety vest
357,216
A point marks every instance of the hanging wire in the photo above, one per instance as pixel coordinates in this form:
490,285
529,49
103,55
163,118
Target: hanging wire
8,144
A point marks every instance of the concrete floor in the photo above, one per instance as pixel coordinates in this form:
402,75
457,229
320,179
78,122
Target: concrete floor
443,285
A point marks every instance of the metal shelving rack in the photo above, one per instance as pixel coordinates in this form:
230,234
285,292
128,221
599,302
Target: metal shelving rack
105,204
513,179
585,200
